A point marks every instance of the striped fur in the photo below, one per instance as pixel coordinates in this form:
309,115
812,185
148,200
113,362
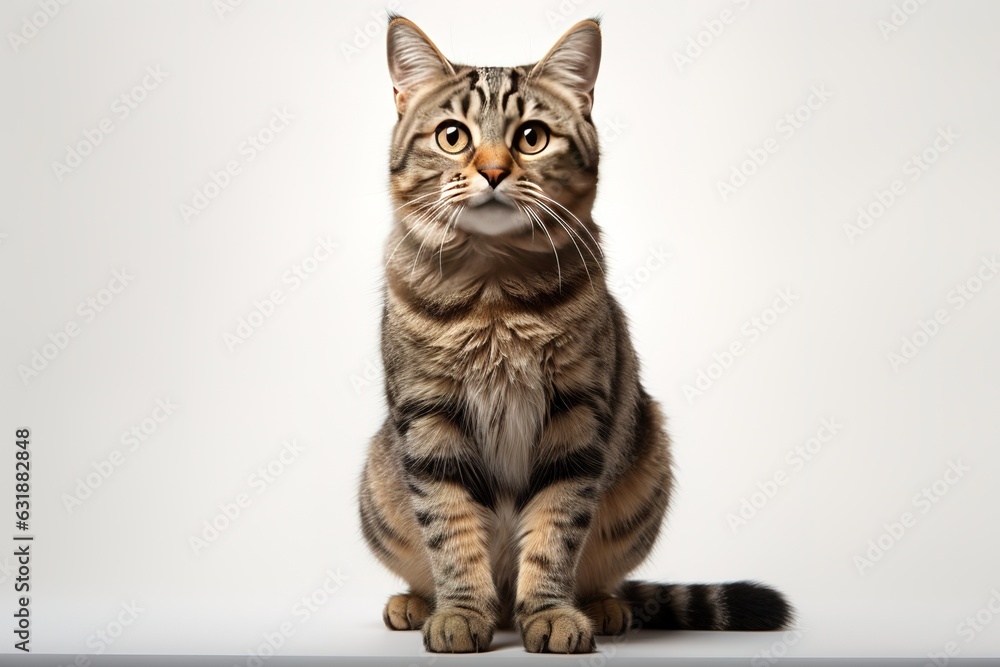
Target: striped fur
522,471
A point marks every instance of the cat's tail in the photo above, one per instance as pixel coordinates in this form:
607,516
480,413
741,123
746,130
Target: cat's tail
738,605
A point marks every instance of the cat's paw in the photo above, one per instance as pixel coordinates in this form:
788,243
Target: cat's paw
405,612
559,630
610,616
458,631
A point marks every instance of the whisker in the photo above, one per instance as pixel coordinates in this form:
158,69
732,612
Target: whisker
416,258
435,214
580,222
414,227
416,199
441,194
541,193
425,214
432,211
570,232
393,253
451,222
534,217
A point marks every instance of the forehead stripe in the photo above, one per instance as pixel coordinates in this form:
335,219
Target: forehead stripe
514,81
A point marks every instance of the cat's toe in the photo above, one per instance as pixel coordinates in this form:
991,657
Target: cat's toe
405,612
458,631
610,616
558,630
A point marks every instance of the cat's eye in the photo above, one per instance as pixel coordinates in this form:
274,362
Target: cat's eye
453,137
531,138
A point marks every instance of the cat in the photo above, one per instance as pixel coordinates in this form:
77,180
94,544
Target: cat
522,471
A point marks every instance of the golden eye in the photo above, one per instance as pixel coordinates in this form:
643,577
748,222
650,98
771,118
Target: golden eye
452,137
531,138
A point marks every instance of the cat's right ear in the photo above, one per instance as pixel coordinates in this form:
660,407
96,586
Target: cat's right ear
413,60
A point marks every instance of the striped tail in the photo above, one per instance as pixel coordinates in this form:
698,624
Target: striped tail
738,605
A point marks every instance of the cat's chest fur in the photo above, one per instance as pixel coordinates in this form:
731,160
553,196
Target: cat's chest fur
505,371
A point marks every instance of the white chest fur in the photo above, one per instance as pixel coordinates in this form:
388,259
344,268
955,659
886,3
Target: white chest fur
505,394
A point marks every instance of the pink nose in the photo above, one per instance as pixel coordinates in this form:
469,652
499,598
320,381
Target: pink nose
494,176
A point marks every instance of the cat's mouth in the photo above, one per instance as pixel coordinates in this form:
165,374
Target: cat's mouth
493,218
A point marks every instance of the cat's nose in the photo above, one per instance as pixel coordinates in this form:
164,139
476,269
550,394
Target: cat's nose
494,176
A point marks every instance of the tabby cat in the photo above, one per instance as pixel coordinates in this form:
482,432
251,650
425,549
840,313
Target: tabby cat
522,471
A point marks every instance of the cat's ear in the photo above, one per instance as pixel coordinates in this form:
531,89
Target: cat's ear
413,60
574,61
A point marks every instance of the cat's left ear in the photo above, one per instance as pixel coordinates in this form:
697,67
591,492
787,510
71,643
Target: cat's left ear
413,60
574,61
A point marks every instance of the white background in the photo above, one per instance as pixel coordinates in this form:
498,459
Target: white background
310,372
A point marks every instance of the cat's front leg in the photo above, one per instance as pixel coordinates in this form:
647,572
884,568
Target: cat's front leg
450,496
554,527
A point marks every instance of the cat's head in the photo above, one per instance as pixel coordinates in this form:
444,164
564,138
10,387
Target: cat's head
504,155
